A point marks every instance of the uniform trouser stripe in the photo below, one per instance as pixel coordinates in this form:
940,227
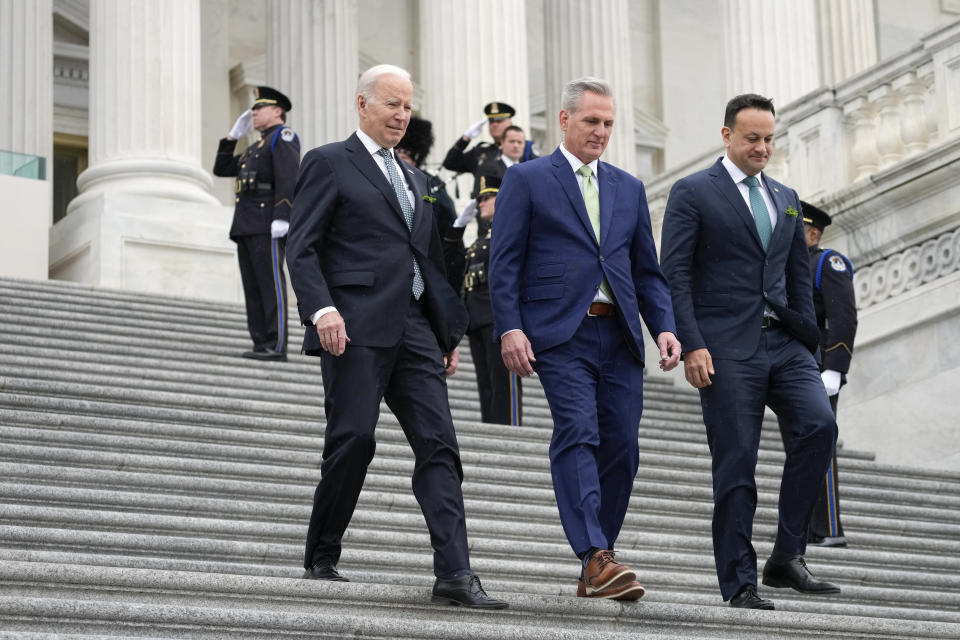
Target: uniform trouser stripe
514,401
830,479
280,293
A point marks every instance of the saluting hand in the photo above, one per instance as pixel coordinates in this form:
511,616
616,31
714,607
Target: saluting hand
332,333
698,367
517,353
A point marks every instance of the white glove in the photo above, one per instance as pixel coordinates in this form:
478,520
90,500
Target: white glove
831,381
475,129
243,125
469,213
279,228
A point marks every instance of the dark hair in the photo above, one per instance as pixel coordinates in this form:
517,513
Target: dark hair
512,127
746,101
283,116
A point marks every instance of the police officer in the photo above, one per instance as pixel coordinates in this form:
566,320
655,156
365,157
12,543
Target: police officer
499,116
266,174
834,300
499,389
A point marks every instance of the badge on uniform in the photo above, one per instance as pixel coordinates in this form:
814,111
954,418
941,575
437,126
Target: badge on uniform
837,263
287,135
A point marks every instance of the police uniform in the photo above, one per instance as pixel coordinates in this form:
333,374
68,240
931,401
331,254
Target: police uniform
835,304
266,173
483,155
501,400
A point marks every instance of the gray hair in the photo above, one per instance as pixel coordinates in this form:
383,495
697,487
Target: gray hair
573,92
369,77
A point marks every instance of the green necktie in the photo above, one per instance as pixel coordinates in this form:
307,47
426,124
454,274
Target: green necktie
760,214
591,198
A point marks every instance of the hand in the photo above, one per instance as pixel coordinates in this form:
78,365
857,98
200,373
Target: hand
474,129
698,367
332,333
669,350
517,353
831,381
450,362
279,228
469,213
242,126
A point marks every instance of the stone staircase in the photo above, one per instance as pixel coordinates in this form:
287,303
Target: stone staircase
155,485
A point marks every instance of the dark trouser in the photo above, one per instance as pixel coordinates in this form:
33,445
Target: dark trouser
825,521
265,290
501,399
410,377
783,375
594,387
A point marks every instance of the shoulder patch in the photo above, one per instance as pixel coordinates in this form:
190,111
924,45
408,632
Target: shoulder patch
287,135
837,263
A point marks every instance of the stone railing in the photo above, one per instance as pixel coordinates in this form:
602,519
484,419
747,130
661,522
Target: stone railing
901,272
837,136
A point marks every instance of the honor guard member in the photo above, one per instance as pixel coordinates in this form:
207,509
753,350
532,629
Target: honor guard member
414,148
499,116
835,304
266,173
499,389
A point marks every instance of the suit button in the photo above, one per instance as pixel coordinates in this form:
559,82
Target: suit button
601,258
261,205
764,294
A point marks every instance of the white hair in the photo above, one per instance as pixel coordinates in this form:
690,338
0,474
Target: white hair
369,78
573,92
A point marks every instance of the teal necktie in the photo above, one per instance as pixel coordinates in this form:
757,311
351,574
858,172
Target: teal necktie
760,213
591,198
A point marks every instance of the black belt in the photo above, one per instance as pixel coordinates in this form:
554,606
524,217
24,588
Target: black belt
769,322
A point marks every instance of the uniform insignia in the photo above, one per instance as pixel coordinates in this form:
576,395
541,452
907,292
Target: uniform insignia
837,263
261,143
287,135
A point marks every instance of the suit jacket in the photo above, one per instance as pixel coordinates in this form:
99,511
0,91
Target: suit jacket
349,247
546,265
719,273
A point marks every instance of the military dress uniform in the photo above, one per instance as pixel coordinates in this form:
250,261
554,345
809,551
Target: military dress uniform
266,173
501,398
482,158
835,304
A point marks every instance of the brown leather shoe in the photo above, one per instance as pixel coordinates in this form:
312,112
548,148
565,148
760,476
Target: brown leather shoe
603,572
630,591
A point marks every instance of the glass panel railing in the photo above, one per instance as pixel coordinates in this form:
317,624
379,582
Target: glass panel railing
23,165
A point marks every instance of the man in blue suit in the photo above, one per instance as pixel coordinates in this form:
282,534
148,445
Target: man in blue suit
367,265
735,255
573,267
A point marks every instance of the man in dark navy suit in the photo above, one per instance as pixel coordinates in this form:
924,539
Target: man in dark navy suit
367,266
573,268
734,253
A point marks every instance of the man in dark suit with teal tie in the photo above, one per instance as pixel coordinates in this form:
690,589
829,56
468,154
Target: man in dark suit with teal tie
734,253
367,266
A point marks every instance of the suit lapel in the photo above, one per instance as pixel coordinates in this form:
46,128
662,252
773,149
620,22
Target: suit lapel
778,198
725,184
366,165
608,193
568,181
418,193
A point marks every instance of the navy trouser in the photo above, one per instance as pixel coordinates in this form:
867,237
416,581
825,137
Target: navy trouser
594,386
783,375
410,377
264,290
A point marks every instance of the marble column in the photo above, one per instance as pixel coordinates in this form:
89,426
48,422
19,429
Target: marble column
771,48
848,38
602,29
145,102
312,57
471,52
26,77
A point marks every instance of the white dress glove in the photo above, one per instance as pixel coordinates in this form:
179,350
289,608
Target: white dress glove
243,125
831,381
475,129
279,228
469,213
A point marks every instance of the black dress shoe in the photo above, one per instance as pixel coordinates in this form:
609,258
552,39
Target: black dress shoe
748,599
322,571
795,575
464,591
266,355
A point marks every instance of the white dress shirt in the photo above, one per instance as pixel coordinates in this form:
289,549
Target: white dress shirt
372,148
